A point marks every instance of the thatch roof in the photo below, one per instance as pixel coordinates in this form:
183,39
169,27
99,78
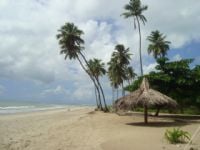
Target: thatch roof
144,96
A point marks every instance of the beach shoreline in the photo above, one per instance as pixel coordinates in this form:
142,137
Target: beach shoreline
25,109
85,129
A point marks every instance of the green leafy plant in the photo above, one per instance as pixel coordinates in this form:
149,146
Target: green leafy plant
176,135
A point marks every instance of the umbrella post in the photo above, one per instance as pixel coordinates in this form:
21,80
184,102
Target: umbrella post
157,112
145,113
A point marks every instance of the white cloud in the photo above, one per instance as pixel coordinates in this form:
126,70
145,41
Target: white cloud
82,93
177,57
29,48
98,37
175,19
30,51
149,68
55,91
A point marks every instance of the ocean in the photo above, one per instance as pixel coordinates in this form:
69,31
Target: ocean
25,107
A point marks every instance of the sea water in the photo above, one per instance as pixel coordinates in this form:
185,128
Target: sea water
24,107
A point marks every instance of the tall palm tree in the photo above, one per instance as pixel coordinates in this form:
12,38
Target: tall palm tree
122,55
110,73
115,74
120,59
135,9
97,69
123,58
158,45
71,45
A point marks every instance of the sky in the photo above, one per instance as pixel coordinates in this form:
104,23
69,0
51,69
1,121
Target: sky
31,68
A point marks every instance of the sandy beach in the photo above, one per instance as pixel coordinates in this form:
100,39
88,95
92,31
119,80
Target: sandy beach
84,129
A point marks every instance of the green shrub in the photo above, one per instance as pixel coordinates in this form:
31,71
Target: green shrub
176,135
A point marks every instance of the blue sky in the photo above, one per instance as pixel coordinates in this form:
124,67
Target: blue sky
31,68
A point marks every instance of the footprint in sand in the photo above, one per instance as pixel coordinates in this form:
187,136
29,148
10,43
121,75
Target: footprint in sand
27,143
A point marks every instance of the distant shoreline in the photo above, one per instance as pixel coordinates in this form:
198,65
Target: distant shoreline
23,109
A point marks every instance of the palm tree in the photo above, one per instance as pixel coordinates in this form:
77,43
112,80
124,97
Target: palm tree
123,58
119,61
110,73
97,69
70,40
71,45
130,74
115,74
135,9
122,55
158,45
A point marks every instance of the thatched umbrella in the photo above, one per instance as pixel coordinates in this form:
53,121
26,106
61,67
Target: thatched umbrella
145,97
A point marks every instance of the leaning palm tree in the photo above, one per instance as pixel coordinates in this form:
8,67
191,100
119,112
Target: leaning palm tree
91,70
71,45
97,69
70,41
135,9
158,45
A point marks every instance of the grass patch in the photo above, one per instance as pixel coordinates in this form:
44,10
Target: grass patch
176,135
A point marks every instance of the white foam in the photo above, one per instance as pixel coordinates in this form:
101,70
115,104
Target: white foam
21,109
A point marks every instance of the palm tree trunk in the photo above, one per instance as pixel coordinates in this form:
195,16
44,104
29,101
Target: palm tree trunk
106,108
140,46
91,79
145,114
122,89
117,93
101,89
123,92
97,100
99,97
113,95
129,82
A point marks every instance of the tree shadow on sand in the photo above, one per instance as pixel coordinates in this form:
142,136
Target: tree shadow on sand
168,121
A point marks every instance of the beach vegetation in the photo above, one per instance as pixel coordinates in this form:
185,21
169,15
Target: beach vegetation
158,45
176,79
176,135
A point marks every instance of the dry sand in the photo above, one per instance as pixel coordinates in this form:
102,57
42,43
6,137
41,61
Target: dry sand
83,129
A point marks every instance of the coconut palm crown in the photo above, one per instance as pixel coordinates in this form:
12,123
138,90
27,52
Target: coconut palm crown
158,45
122,55
115,73
70,40
96,67
135,9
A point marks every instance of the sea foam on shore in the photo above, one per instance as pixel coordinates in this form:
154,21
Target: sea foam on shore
12,109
